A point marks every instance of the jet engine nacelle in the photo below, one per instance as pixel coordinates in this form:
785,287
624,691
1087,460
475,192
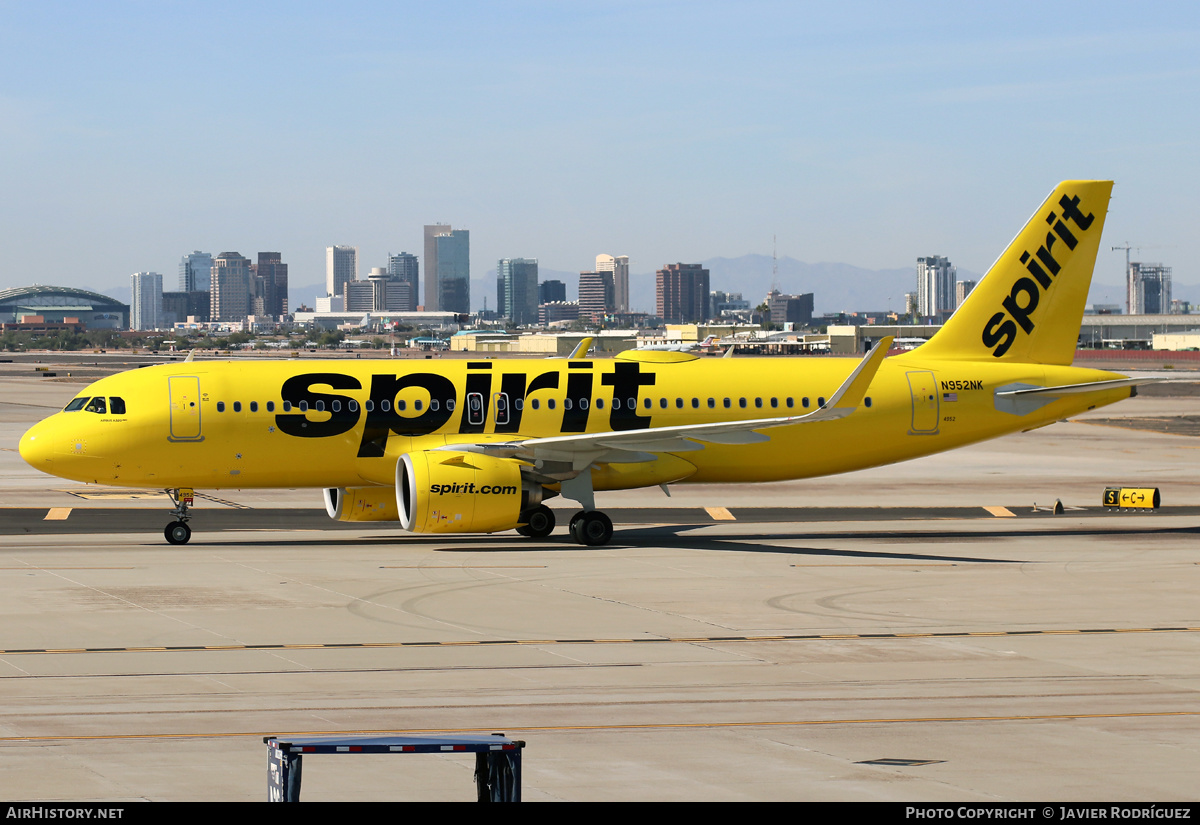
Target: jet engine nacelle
440,491
361,504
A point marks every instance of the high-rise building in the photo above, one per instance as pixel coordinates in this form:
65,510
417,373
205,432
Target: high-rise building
404,269
935,286
452,265
961,290
619,267
341,267
790,309
517,289
551,291
596,295
195,272
230,287
146,308
271,278
432,295
1149,289
682,293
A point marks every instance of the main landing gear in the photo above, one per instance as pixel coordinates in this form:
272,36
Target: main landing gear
592,528
539,522
178,532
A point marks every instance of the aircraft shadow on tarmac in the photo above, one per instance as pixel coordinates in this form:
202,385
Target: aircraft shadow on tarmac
761,542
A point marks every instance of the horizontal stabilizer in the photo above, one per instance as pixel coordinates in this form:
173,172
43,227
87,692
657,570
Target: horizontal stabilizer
1075,389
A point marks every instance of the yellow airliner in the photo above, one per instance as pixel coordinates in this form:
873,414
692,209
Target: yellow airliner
477,446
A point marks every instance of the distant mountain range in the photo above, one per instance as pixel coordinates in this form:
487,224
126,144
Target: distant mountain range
836,287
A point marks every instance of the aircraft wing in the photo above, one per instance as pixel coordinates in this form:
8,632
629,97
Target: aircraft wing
590,447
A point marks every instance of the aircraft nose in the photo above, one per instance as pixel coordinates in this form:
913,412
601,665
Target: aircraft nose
35,447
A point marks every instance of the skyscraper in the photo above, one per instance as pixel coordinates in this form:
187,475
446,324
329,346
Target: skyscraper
1149,289
517,289
404,269
935,286
146,307
341,267
272,278
195,272
682,293
619,267
452,264
230,287
551,291
596,295
432,295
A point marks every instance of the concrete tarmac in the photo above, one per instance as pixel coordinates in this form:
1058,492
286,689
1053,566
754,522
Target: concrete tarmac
949,643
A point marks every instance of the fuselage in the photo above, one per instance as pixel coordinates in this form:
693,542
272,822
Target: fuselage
258,424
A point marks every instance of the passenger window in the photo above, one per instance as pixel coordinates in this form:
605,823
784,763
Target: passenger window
519,403
434,404
237,406
400,405
450,404
804,402
550,404
712,403
319,407
599,403
774,402
727,403
535,403
867,400
385,405
336,406
789,401
742,403
616,403
632,402
76,404
646,403
679,403
253,406
303,406
220,406
821,402
758,402
695,403
287,406
369,406
662,402
416,405
271,406
566,403
116,405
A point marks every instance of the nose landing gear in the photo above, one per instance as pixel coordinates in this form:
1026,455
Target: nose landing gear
178,531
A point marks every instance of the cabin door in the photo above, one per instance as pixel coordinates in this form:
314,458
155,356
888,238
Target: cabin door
925,413
184,391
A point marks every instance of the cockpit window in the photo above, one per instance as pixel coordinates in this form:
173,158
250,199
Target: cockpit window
97,405
116,405
76,404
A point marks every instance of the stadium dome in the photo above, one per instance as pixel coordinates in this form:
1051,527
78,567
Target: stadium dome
57,303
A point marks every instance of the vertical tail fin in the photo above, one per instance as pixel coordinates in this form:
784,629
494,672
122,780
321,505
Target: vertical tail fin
1029,306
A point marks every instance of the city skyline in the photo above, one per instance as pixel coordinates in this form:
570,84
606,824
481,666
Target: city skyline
800,126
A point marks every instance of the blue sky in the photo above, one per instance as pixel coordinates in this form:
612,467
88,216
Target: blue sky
133,132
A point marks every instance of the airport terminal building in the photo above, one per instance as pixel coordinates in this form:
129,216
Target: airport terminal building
56,304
